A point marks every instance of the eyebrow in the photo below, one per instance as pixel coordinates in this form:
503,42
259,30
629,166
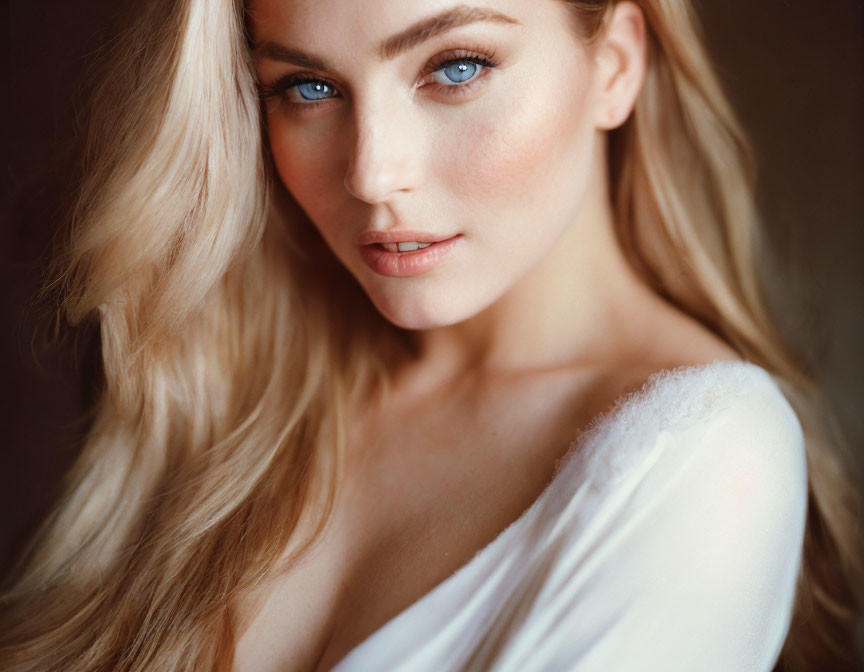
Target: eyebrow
390,48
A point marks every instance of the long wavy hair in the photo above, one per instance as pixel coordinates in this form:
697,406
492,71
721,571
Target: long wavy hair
233,344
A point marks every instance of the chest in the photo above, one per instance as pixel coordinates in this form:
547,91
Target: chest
425,487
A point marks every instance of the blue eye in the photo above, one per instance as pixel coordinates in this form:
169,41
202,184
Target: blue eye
454,72
457,72
314,90
304,91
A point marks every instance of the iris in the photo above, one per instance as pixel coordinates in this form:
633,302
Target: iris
459,72
314,90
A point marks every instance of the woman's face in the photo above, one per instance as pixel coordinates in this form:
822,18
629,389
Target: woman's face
468,125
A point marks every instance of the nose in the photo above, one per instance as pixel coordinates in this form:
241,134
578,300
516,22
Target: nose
384,157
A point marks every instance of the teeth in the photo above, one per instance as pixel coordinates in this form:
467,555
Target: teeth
404,247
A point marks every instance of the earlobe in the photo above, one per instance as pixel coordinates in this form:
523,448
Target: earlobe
620,63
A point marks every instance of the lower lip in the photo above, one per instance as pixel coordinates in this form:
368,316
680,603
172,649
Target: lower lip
407,264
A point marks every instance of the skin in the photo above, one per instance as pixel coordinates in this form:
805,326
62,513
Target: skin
535,322
537,270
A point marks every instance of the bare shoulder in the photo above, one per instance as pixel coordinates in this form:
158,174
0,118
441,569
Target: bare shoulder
674,339
680,339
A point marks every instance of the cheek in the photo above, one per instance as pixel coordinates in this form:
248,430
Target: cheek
525,146
307,169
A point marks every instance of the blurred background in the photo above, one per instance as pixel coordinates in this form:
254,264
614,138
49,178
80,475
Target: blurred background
793,69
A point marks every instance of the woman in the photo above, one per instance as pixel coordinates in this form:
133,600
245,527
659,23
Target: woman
552,438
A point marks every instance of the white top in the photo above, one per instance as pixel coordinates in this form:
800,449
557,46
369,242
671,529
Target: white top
670,538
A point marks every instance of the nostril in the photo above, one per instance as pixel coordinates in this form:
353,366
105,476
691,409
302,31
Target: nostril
383,163
374,184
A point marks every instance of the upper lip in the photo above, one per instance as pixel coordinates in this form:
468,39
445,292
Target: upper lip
400,236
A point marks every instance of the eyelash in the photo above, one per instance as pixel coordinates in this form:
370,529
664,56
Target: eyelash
281,86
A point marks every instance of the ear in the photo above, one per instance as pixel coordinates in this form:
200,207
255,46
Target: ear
620,60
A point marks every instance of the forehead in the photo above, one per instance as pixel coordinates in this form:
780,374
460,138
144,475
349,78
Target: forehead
378,28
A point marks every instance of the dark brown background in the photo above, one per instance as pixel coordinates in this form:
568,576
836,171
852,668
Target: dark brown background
793,68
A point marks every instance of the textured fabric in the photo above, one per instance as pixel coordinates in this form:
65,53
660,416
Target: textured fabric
670,538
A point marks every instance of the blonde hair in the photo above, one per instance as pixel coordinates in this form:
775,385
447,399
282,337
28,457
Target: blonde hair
233,344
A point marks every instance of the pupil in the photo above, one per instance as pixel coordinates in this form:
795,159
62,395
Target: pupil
460,72
313,90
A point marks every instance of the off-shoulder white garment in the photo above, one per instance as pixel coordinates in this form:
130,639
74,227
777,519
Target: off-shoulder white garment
670,538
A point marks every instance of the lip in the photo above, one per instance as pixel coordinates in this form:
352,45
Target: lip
401,236
407,264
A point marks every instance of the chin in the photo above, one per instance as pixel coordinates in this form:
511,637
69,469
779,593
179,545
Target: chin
409,311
